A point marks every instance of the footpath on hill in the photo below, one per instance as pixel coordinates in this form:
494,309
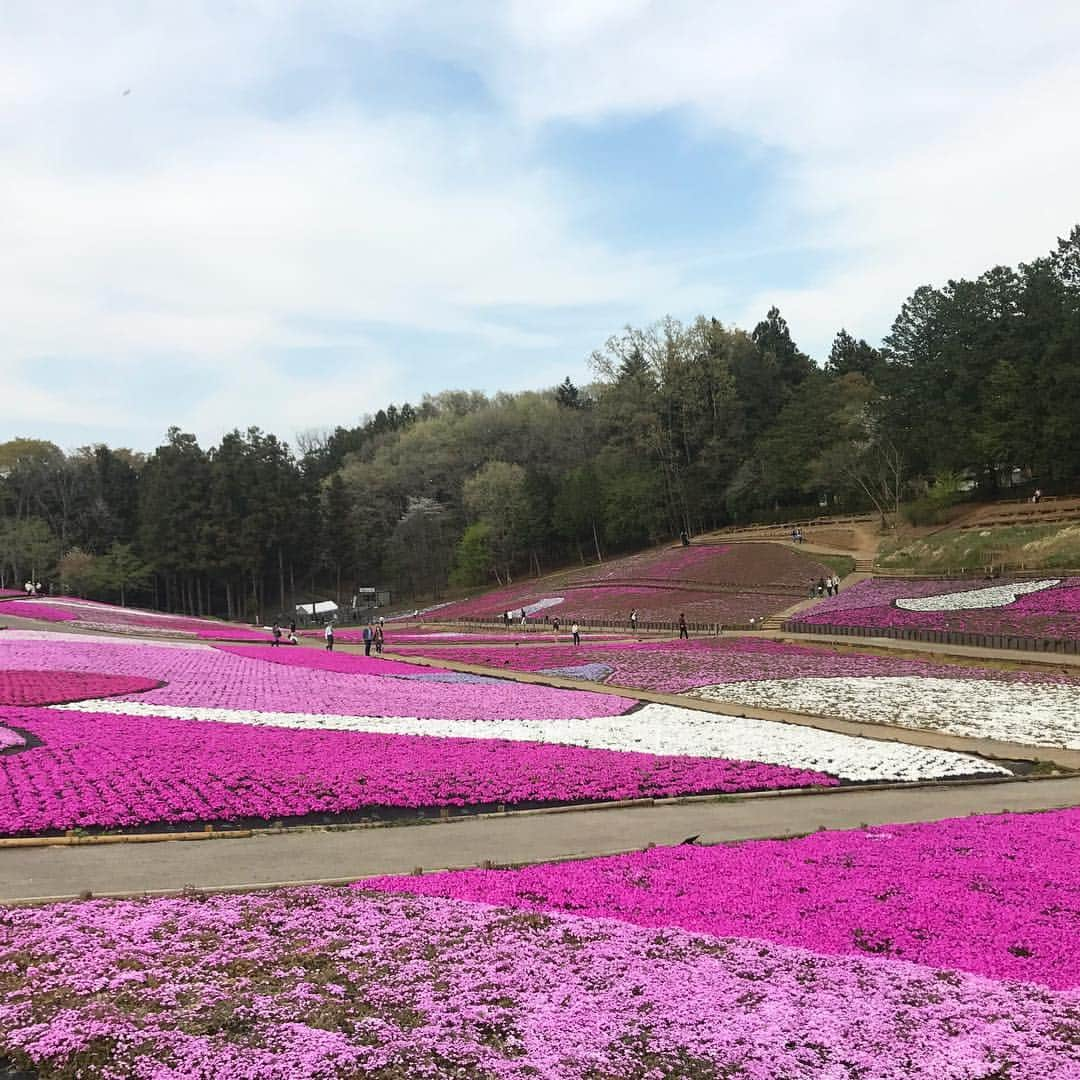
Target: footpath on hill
339,856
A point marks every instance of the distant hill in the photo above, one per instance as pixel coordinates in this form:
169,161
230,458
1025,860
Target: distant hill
729,583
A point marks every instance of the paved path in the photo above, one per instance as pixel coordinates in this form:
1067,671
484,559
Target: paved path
345,855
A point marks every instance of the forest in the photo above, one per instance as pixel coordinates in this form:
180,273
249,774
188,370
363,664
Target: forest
684,426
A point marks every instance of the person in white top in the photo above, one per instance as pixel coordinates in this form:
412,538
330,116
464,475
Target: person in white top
328,633
576,634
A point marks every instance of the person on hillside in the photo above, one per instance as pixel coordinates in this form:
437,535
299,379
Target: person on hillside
292,628
836,585
29,586
524,618
328,634
828,585
684,630
575,634
813,590
820,587
367,636
379,637
555,624
276,632
633,619
506,620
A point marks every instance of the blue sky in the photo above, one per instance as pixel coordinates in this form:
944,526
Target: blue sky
301,212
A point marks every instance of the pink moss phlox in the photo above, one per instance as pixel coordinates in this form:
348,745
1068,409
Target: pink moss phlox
53,687
223,679
326,983
675,666
1048,613
997,895
110,771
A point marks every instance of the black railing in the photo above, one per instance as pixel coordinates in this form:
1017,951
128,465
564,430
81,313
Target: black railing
940,637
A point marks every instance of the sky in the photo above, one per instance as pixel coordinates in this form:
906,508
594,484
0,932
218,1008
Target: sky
260,212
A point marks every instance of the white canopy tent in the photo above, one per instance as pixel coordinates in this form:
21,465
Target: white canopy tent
317,607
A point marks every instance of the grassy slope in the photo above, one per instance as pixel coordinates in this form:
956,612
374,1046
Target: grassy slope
1050,547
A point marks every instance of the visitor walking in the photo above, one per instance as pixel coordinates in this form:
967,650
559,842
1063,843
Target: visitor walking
524,618
506,620
276,631
813,590
576,634
292,629
555,623
293,639
378,639
328,634
828,585
821,586
633,619
836,585
684,630
367,636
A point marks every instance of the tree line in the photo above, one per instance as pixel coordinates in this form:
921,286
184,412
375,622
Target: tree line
685,427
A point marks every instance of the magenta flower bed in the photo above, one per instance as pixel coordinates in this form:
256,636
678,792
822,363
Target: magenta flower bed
37,609
992,895
1049,613
675,666
110,771
53,687
332,983
201,676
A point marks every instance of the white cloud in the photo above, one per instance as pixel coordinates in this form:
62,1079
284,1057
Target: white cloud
243,201
923,141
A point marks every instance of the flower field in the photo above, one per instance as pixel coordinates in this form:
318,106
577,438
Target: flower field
91,615
1033,708
709,583
943,952
1049,608
994,896
148,734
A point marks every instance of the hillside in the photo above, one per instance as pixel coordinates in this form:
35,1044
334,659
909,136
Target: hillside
1018,536
728,583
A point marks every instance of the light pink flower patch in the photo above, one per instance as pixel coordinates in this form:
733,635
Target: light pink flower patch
223,679
334,983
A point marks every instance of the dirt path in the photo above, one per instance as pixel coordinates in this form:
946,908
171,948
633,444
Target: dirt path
28,874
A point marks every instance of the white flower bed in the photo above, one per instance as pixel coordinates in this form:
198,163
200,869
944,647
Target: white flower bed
991,597
665,730
1036,714
542,605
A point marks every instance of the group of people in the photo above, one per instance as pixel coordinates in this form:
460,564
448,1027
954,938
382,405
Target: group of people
33,588
277,633
829,586
797,536
373,635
